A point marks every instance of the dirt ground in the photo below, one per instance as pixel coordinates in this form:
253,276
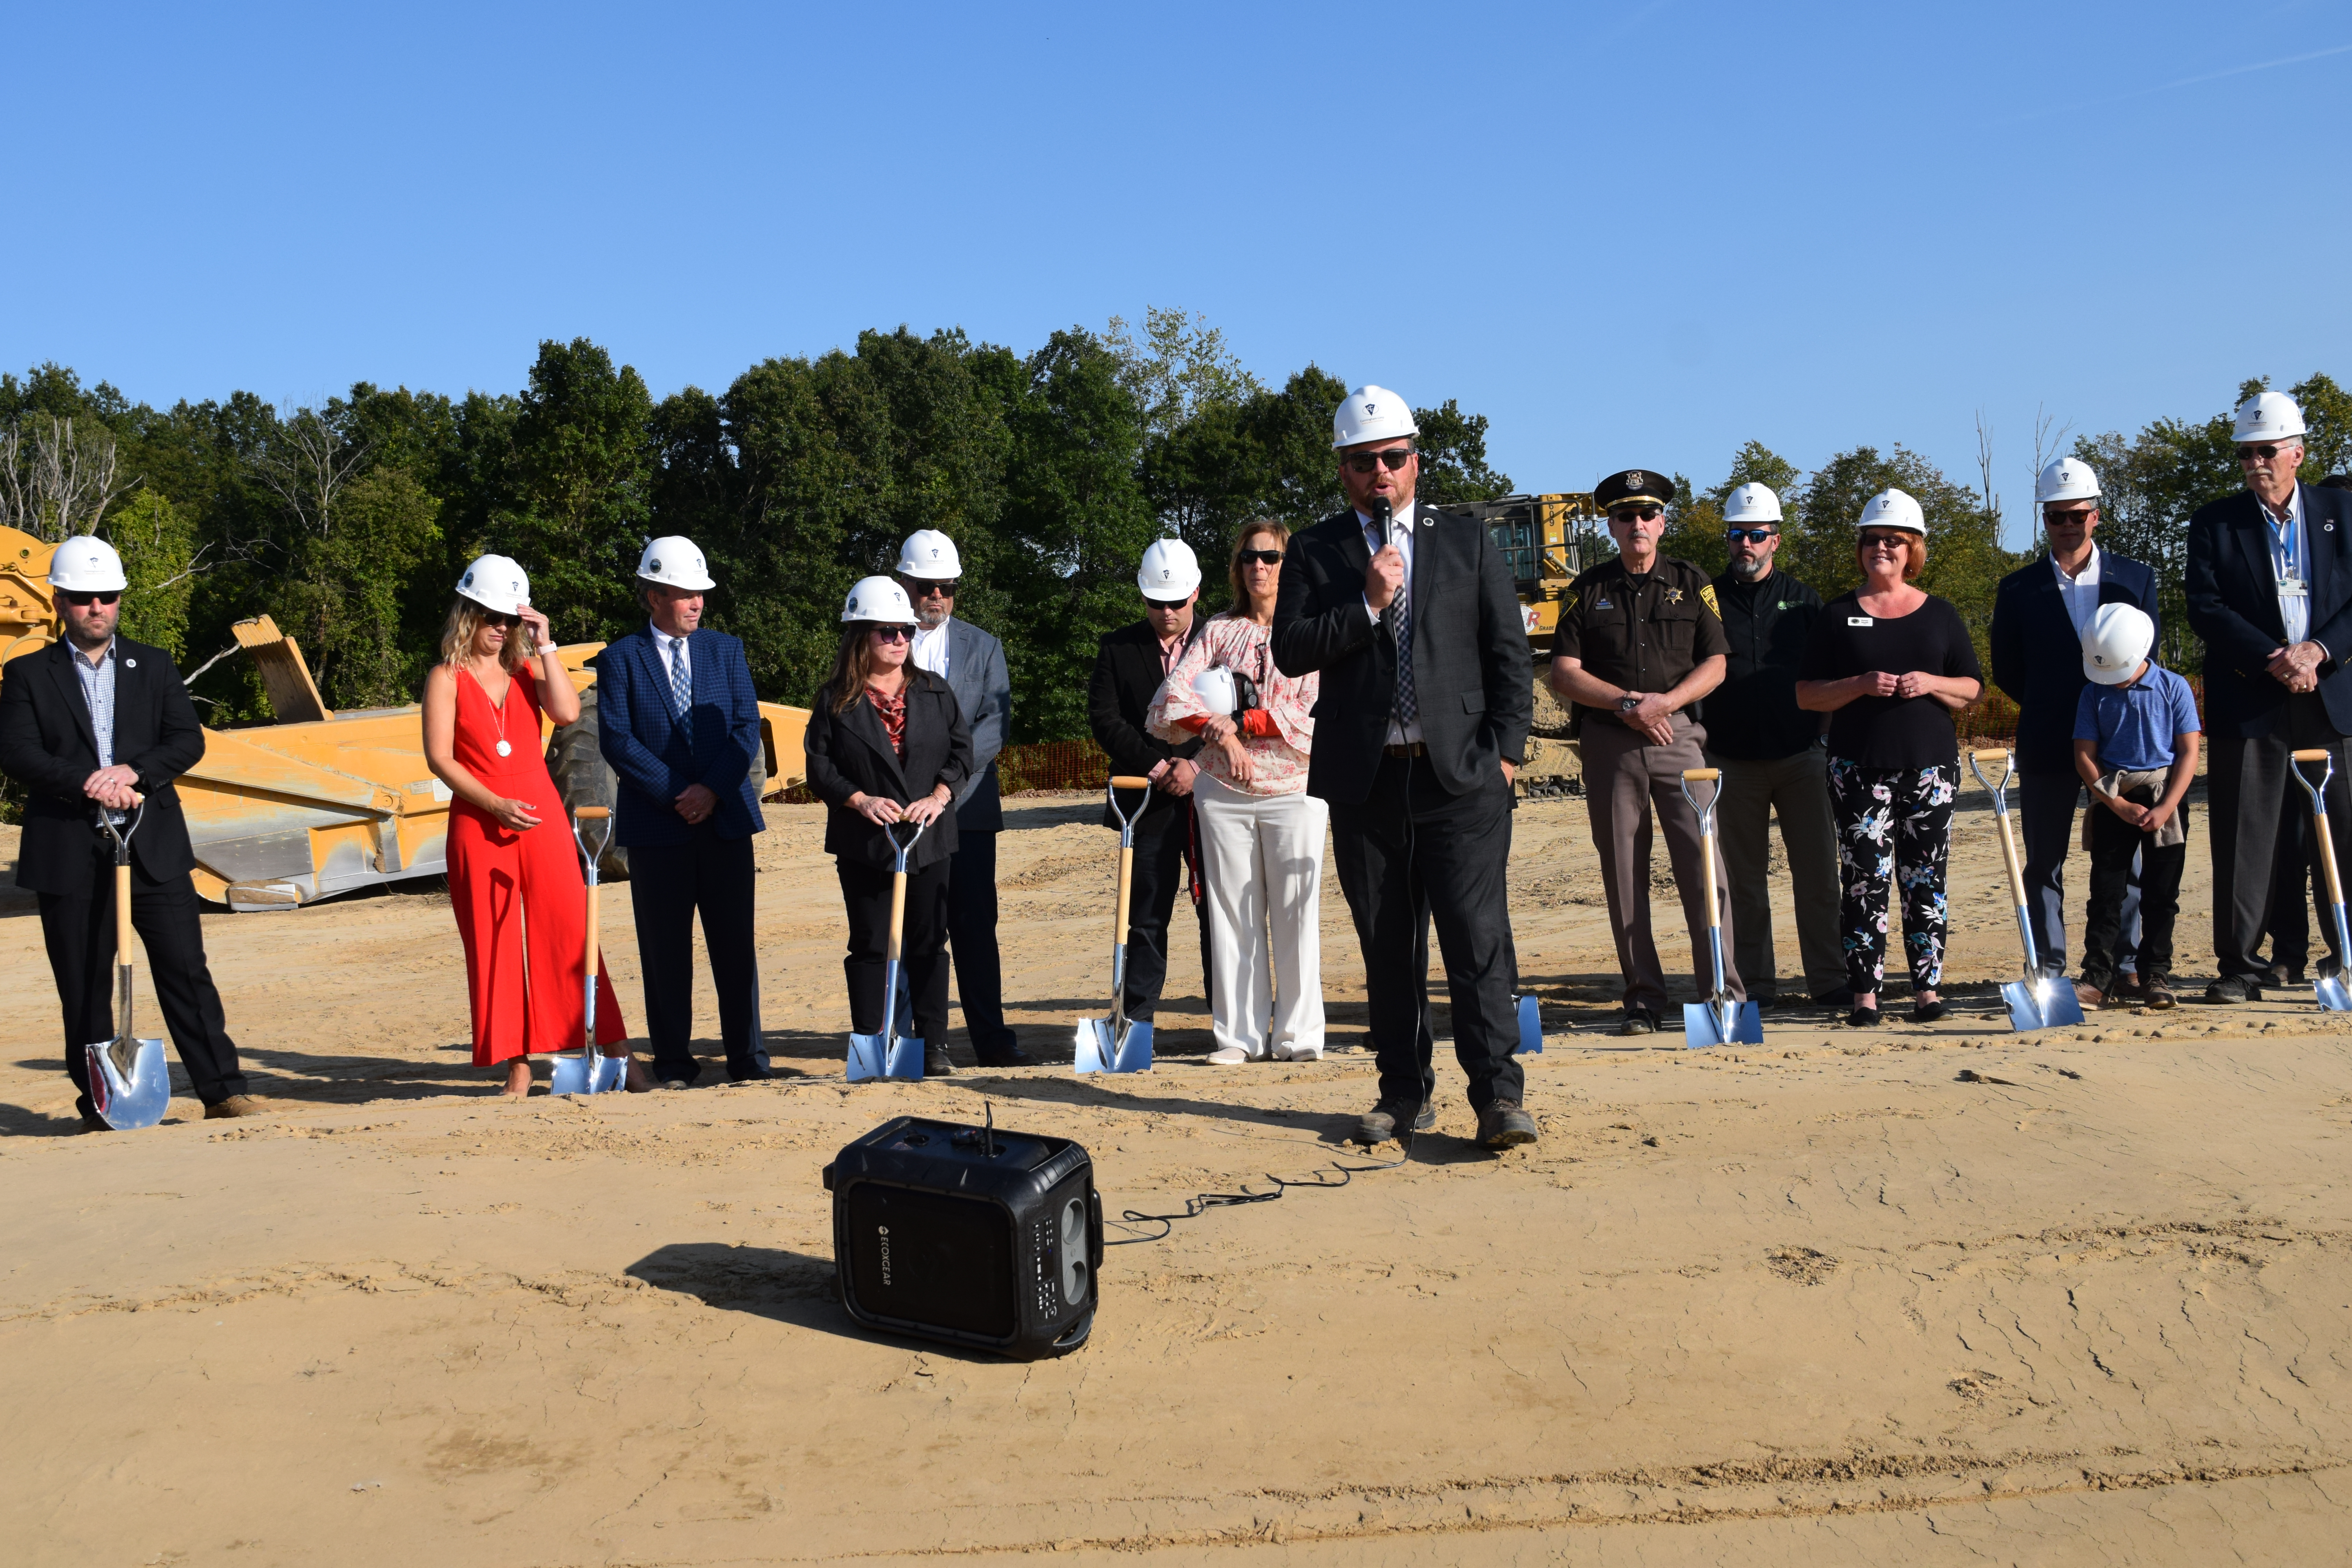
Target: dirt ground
1922,1294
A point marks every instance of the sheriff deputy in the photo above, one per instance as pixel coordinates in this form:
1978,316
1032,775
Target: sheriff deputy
1641,638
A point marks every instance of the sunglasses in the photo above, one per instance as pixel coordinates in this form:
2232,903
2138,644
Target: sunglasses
1629,513
1258,557
892,634
1886,542
1164,603
83,601
509,622
923,589
2248,454
2071,514
1363,462
1750,535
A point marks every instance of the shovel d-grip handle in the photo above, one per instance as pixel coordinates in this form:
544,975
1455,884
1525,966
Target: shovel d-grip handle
899,897
1707,834
2319,793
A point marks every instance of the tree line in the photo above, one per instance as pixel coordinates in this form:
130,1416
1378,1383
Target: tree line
348,521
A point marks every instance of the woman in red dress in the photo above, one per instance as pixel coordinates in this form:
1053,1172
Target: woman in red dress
514,872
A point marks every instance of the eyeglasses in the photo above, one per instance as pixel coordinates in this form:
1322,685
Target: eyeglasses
1886,542
1750,535
1165,604
84,601
1258,557
2071,514
1395,458
922,588
2267,454
892,634
1629,513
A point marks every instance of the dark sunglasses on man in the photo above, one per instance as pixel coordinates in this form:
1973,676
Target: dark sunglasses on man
1750,535
1259,557
923,588
1395,458
2268,454
1629,513
83,601
2069,514
1163,604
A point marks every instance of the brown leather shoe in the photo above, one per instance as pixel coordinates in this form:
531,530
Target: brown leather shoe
2089,995
235,1105
2158,991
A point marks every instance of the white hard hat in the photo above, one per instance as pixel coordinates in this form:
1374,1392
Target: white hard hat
86,565
878,599
1893,509
2119,637
496,584
1372,413
2068,479
2268,416
929,556
1752,503
1170,571
1215,687
673,561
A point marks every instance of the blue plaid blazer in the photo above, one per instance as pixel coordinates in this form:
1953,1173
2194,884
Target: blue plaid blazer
657,756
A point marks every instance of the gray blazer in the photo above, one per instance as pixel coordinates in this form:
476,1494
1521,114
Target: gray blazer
983,690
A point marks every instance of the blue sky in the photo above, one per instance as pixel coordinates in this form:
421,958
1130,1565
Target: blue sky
1632,235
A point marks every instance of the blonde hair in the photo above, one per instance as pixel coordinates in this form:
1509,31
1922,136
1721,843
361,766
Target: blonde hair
1249,530
466,618
1915,552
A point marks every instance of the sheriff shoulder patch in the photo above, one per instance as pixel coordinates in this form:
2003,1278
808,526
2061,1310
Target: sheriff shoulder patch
1707,596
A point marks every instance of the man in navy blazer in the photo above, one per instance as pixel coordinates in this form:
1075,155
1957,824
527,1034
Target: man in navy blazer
2038,619
2270,590
678,720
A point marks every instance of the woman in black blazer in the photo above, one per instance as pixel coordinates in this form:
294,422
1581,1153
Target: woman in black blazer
887,743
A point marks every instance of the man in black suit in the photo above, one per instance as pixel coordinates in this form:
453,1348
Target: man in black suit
91,724
1423,718
2039,616
1132,666
2270,590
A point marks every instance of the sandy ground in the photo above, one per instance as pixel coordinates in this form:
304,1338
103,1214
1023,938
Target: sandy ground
1927,1294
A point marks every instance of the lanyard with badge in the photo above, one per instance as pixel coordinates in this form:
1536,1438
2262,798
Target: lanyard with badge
2286,563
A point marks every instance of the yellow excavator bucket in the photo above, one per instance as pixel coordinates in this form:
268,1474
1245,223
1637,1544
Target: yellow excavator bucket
28,615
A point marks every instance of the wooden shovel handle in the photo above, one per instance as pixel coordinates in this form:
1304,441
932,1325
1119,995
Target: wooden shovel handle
1701,775
2317,755
1991,754
1125,884
898,918
592,813
122,916
1129,781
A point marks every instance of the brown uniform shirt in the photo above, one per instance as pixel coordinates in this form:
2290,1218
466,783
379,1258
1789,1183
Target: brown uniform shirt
1640,632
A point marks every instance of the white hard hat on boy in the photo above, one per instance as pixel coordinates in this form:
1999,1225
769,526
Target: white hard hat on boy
2068,479
1372,413
2269,417
1170,571
86,565
1893,509
929,556
1752,503
878,599
2118,639
674,562
496,583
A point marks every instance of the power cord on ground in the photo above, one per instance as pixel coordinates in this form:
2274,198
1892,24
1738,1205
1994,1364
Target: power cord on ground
1200,1204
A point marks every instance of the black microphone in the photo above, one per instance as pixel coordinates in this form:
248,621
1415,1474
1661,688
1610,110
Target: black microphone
1381,511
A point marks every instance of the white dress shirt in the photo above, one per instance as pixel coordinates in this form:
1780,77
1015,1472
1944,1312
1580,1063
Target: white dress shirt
931,649
2290,545
1400,535
2081,594
663,643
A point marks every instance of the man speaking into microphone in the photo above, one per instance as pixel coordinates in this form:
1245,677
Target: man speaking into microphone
1409,614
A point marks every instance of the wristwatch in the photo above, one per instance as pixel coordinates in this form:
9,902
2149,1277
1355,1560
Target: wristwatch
1628,703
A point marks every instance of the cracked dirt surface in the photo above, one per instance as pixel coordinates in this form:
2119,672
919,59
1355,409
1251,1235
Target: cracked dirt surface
1927,1294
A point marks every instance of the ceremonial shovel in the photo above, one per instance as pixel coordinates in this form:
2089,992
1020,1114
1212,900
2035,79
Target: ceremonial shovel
593,1072
1115,1044
1718,1020
128,1083
2333,995
890,1054
2034,1003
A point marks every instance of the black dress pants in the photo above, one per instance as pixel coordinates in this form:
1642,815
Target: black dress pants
922,946
972,943
2249,788
668,885
2116,846
78,930
1160,834
2294,873
1411,855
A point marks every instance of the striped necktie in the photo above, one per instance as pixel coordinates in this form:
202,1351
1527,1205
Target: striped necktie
681,684
1399,620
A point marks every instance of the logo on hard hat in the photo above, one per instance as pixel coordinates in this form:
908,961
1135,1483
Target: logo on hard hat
468,582
654,565
853,601
1368,409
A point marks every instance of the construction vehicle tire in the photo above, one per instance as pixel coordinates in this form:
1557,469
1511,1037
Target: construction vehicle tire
583,776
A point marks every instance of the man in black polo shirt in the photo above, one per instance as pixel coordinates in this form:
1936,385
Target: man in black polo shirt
1770,754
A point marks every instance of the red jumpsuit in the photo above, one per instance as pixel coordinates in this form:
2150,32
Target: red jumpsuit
518,894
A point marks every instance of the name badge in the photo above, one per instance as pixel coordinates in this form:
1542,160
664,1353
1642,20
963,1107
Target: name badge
1859,621
2294,588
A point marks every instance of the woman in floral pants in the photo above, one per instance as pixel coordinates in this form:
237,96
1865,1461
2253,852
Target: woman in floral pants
1891,663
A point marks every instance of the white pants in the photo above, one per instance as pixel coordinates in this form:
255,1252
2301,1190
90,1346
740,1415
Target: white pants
1263,859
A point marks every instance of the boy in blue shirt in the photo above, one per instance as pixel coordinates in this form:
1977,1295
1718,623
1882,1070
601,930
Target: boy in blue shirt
2136,742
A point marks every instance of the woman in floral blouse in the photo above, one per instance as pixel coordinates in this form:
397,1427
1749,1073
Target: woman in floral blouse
1261,832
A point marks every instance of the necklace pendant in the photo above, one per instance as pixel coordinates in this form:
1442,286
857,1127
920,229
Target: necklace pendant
505,749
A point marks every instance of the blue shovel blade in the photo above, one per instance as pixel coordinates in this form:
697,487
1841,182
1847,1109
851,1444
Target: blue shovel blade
128,1083
2332,995
1727,1024
1132,1052
904,1059
1530,1028
1094,1052
866,1057
589,1075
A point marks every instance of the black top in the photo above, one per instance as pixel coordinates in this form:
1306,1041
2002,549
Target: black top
1891,732
1753,716
1643,633
1126,676
2233,605
851,752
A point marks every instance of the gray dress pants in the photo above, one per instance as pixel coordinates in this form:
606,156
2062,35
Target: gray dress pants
1798,788
1624,777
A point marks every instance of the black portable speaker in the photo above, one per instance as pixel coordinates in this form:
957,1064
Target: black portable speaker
968,1235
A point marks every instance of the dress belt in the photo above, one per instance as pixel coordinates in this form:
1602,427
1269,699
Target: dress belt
1411,749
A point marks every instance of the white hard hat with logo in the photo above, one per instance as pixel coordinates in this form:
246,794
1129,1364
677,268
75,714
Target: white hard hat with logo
1751,504
86,565
1215,687
878,599
1372,413
2118,639
496,583
1893,509
2068,479
2269,417
673,561
929,556
1170,571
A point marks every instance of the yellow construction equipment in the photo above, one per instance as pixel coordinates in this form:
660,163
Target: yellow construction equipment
1547,540
323,803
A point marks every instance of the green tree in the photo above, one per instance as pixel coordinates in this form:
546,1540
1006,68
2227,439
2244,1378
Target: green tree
581,468
157,542
1453,466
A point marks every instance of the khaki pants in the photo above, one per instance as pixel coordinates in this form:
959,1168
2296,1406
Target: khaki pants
1624,776
1798,788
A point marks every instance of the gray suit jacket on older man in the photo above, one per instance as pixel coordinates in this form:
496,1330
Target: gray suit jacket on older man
983,690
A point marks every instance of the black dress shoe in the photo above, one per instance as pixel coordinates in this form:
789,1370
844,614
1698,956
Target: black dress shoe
1379,1124
1927,1012
92,1122
2234,988
1863,1018
936,1063
1505,1125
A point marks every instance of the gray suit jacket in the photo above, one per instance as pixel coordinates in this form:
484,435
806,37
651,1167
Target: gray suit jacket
983,690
